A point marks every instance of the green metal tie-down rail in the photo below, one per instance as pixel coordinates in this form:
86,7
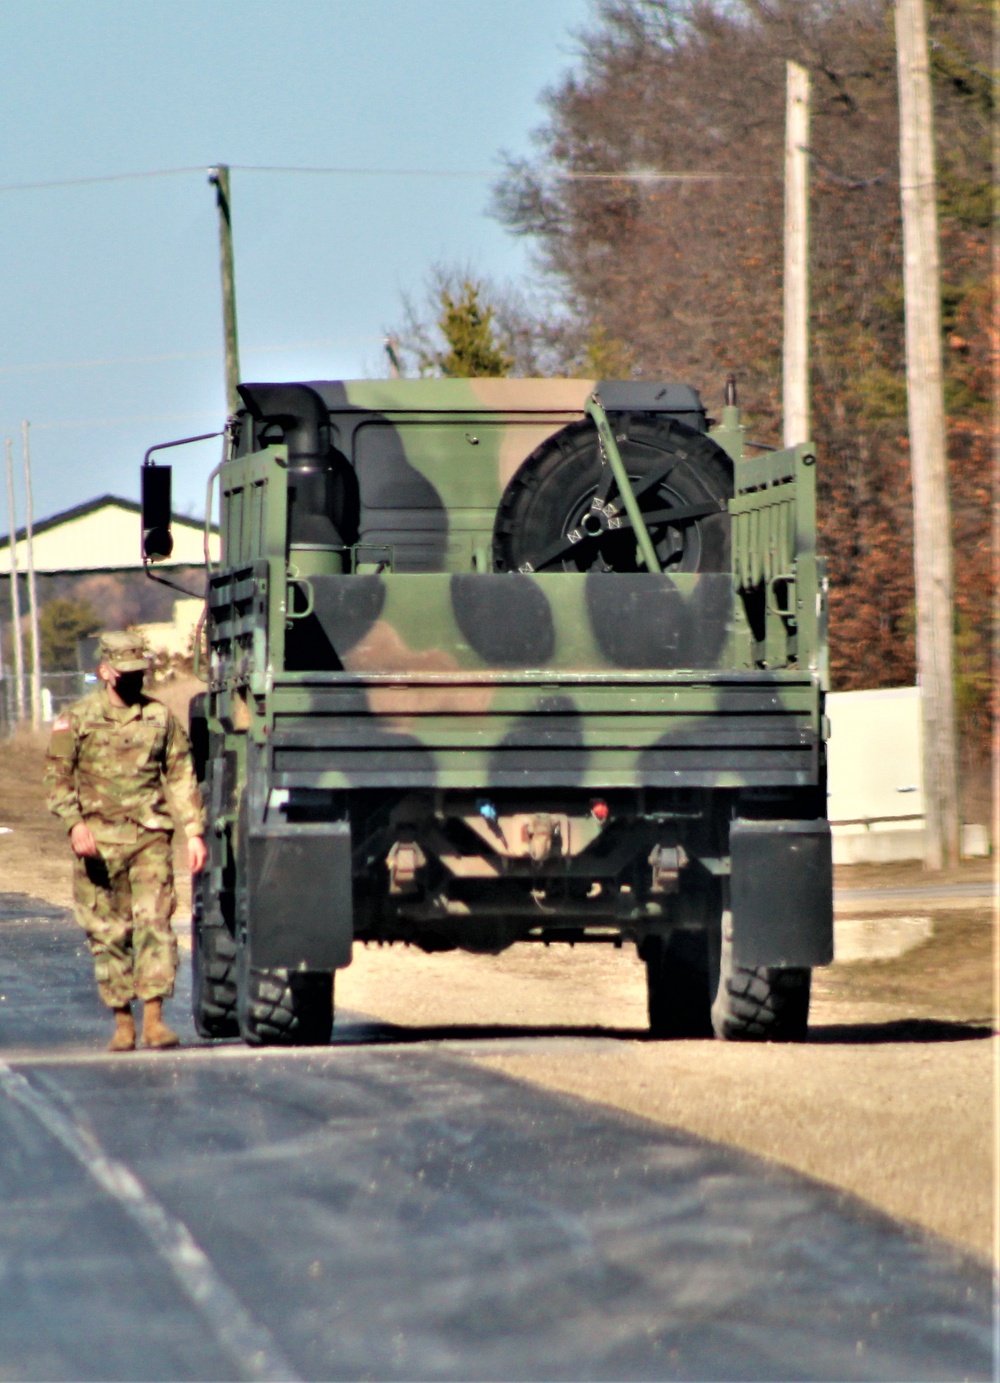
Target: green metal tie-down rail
613,456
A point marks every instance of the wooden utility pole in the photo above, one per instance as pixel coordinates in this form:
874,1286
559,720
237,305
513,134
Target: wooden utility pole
928,458
15,593
36,650
796,353
219,178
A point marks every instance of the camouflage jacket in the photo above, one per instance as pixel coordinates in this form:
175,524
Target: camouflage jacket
122,768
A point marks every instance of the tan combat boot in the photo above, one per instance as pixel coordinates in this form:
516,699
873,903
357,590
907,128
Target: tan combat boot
155,1032
123,1039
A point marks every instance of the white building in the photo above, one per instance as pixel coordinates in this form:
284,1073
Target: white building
876,800
105,534
175,639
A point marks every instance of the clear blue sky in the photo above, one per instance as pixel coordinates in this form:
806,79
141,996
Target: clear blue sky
110,324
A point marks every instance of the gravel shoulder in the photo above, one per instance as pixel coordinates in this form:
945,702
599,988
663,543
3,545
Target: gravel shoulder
893,1099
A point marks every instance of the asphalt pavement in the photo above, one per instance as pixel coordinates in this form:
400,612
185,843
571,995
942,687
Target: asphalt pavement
382,1209
938,894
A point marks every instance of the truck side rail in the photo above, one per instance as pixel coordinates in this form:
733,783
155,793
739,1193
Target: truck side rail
774,562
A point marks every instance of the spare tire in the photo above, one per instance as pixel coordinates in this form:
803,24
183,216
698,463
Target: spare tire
562,510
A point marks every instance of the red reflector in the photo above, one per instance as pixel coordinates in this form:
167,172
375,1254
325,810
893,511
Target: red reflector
599,810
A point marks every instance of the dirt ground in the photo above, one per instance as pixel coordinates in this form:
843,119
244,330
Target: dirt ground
893,1099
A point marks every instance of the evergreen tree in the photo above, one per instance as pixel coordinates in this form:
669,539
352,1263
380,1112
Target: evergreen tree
605,356
472,348
61,625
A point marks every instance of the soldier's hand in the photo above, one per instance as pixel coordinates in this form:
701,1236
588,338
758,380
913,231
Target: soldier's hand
197,854
82,841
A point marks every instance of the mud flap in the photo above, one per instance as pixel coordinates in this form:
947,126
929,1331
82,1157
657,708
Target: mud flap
782,893
299,899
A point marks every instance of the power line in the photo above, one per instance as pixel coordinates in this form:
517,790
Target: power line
366,172
184,355
627,175
113,360
105,177
123,420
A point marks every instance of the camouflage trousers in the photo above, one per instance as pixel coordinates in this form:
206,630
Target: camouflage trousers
124,901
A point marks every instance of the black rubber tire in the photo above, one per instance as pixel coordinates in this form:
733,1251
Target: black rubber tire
759,1004
281,1008
213,940
678,984
552,492
213,969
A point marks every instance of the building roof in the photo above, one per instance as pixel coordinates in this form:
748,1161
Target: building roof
104,534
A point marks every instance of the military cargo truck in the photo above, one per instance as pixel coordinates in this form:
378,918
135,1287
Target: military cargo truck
508,661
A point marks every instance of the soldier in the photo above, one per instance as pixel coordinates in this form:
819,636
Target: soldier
118,766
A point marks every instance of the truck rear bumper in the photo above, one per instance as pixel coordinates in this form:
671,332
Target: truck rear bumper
530,730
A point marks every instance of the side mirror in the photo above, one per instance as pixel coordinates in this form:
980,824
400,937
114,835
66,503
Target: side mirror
157,541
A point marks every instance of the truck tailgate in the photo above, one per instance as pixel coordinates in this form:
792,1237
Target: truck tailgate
504,729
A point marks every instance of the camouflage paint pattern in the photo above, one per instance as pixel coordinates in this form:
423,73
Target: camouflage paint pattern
124,902
122,770
448,674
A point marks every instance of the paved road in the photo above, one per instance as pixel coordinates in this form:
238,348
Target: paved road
392,1211
979,890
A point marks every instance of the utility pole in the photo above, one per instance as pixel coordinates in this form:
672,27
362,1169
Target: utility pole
15,593
796,353
928,458
36,650
219,178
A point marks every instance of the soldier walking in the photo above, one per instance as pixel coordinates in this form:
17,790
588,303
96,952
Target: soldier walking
118,767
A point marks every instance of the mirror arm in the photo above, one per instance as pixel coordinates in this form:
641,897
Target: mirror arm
181,442
165,581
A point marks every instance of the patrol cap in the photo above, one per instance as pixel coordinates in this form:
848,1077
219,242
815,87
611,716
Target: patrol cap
123,651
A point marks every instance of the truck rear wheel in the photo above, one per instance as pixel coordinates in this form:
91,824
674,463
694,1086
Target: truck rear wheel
213,966
760,1003
282,1008
678,985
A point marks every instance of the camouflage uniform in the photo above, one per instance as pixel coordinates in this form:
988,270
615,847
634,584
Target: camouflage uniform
123,771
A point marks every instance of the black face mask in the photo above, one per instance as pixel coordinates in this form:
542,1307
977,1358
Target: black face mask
129,686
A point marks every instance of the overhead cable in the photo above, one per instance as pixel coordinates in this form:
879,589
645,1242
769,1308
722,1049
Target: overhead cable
626,175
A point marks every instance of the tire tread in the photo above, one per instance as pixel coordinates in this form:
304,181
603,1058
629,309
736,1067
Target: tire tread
763,1005
279,1008
213,997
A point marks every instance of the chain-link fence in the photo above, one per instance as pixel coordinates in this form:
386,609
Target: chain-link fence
58,689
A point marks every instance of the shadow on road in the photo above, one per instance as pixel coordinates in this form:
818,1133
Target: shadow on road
359,1032
362,1032
901,1030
